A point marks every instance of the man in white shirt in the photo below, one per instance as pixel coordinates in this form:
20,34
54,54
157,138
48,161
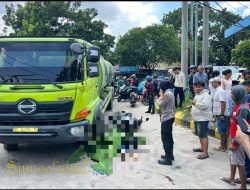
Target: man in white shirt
179,84
221,113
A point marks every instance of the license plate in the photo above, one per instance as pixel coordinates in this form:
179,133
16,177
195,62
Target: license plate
25,130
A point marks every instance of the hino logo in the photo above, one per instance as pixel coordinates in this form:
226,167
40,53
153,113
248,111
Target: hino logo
26,107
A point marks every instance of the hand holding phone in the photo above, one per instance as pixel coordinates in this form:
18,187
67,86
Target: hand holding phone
243,126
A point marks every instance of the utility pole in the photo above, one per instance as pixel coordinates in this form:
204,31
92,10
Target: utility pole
195,34
184,39
205,42
192,33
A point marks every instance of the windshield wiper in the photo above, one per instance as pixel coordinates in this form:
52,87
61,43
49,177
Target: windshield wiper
54,83
57,85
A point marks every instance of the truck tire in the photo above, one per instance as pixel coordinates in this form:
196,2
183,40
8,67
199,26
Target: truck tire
110,105
10,147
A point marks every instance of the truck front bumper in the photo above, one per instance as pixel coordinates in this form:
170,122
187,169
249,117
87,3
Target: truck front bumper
69,133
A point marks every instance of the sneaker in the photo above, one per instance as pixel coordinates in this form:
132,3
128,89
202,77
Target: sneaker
164,157
165,162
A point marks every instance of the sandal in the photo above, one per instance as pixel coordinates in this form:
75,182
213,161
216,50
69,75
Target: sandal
225,179
219,148
202,156
197,150
237,180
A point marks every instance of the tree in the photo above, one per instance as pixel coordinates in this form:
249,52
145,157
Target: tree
173,18
58,18
146,47
241,54
220,48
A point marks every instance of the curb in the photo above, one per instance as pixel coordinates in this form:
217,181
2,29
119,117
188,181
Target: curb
185,120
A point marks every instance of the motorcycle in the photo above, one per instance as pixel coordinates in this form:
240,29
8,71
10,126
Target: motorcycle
128,92
132,121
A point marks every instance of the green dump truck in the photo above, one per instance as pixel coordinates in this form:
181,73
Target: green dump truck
51,89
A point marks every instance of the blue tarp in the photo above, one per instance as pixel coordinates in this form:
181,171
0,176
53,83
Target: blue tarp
240,26
128,69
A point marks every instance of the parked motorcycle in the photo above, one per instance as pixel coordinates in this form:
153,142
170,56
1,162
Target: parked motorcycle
128,93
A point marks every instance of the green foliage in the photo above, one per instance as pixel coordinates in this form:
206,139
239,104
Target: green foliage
58,18
241,54
220,48
148,46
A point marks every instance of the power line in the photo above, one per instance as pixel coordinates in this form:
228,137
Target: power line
243,5
231,6
219,5
224,9
223,13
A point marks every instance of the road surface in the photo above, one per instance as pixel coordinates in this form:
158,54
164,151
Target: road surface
50,169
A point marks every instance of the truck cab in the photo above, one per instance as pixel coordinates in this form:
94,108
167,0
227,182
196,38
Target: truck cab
51,89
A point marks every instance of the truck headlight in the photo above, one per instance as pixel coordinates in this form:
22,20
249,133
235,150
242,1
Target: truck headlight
77,131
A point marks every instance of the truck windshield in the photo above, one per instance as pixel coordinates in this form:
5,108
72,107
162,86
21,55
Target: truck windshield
38,62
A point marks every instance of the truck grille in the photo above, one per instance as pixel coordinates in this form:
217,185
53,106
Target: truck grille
47,113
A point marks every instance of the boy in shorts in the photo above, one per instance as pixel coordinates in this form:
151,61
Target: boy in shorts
201,113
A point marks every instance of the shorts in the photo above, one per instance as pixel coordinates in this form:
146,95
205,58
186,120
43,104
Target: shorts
237,157
223,125
202,128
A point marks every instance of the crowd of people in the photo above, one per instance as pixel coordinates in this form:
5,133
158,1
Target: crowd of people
121,81
214,98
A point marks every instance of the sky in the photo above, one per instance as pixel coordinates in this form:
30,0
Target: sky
121,16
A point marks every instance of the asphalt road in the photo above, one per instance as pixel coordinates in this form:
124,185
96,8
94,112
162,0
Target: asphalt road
44,166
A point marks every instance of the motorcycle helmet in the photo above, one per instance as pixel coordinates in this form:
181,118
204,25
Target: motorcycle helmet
192,67
133,76
149,78
155,76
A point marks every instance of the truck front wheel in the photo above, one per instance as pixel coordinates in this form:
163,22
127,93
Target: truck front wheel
110,105
10,147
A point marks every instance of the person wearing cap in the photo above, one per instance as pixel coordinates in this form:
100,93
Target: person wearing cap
221,113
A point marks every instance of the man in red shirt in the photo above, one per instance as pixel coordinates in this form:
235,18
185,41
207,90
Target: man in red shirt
237,154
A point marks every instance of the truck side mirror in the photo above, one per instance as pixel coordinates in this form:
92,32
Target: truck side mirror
92,70
93,54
